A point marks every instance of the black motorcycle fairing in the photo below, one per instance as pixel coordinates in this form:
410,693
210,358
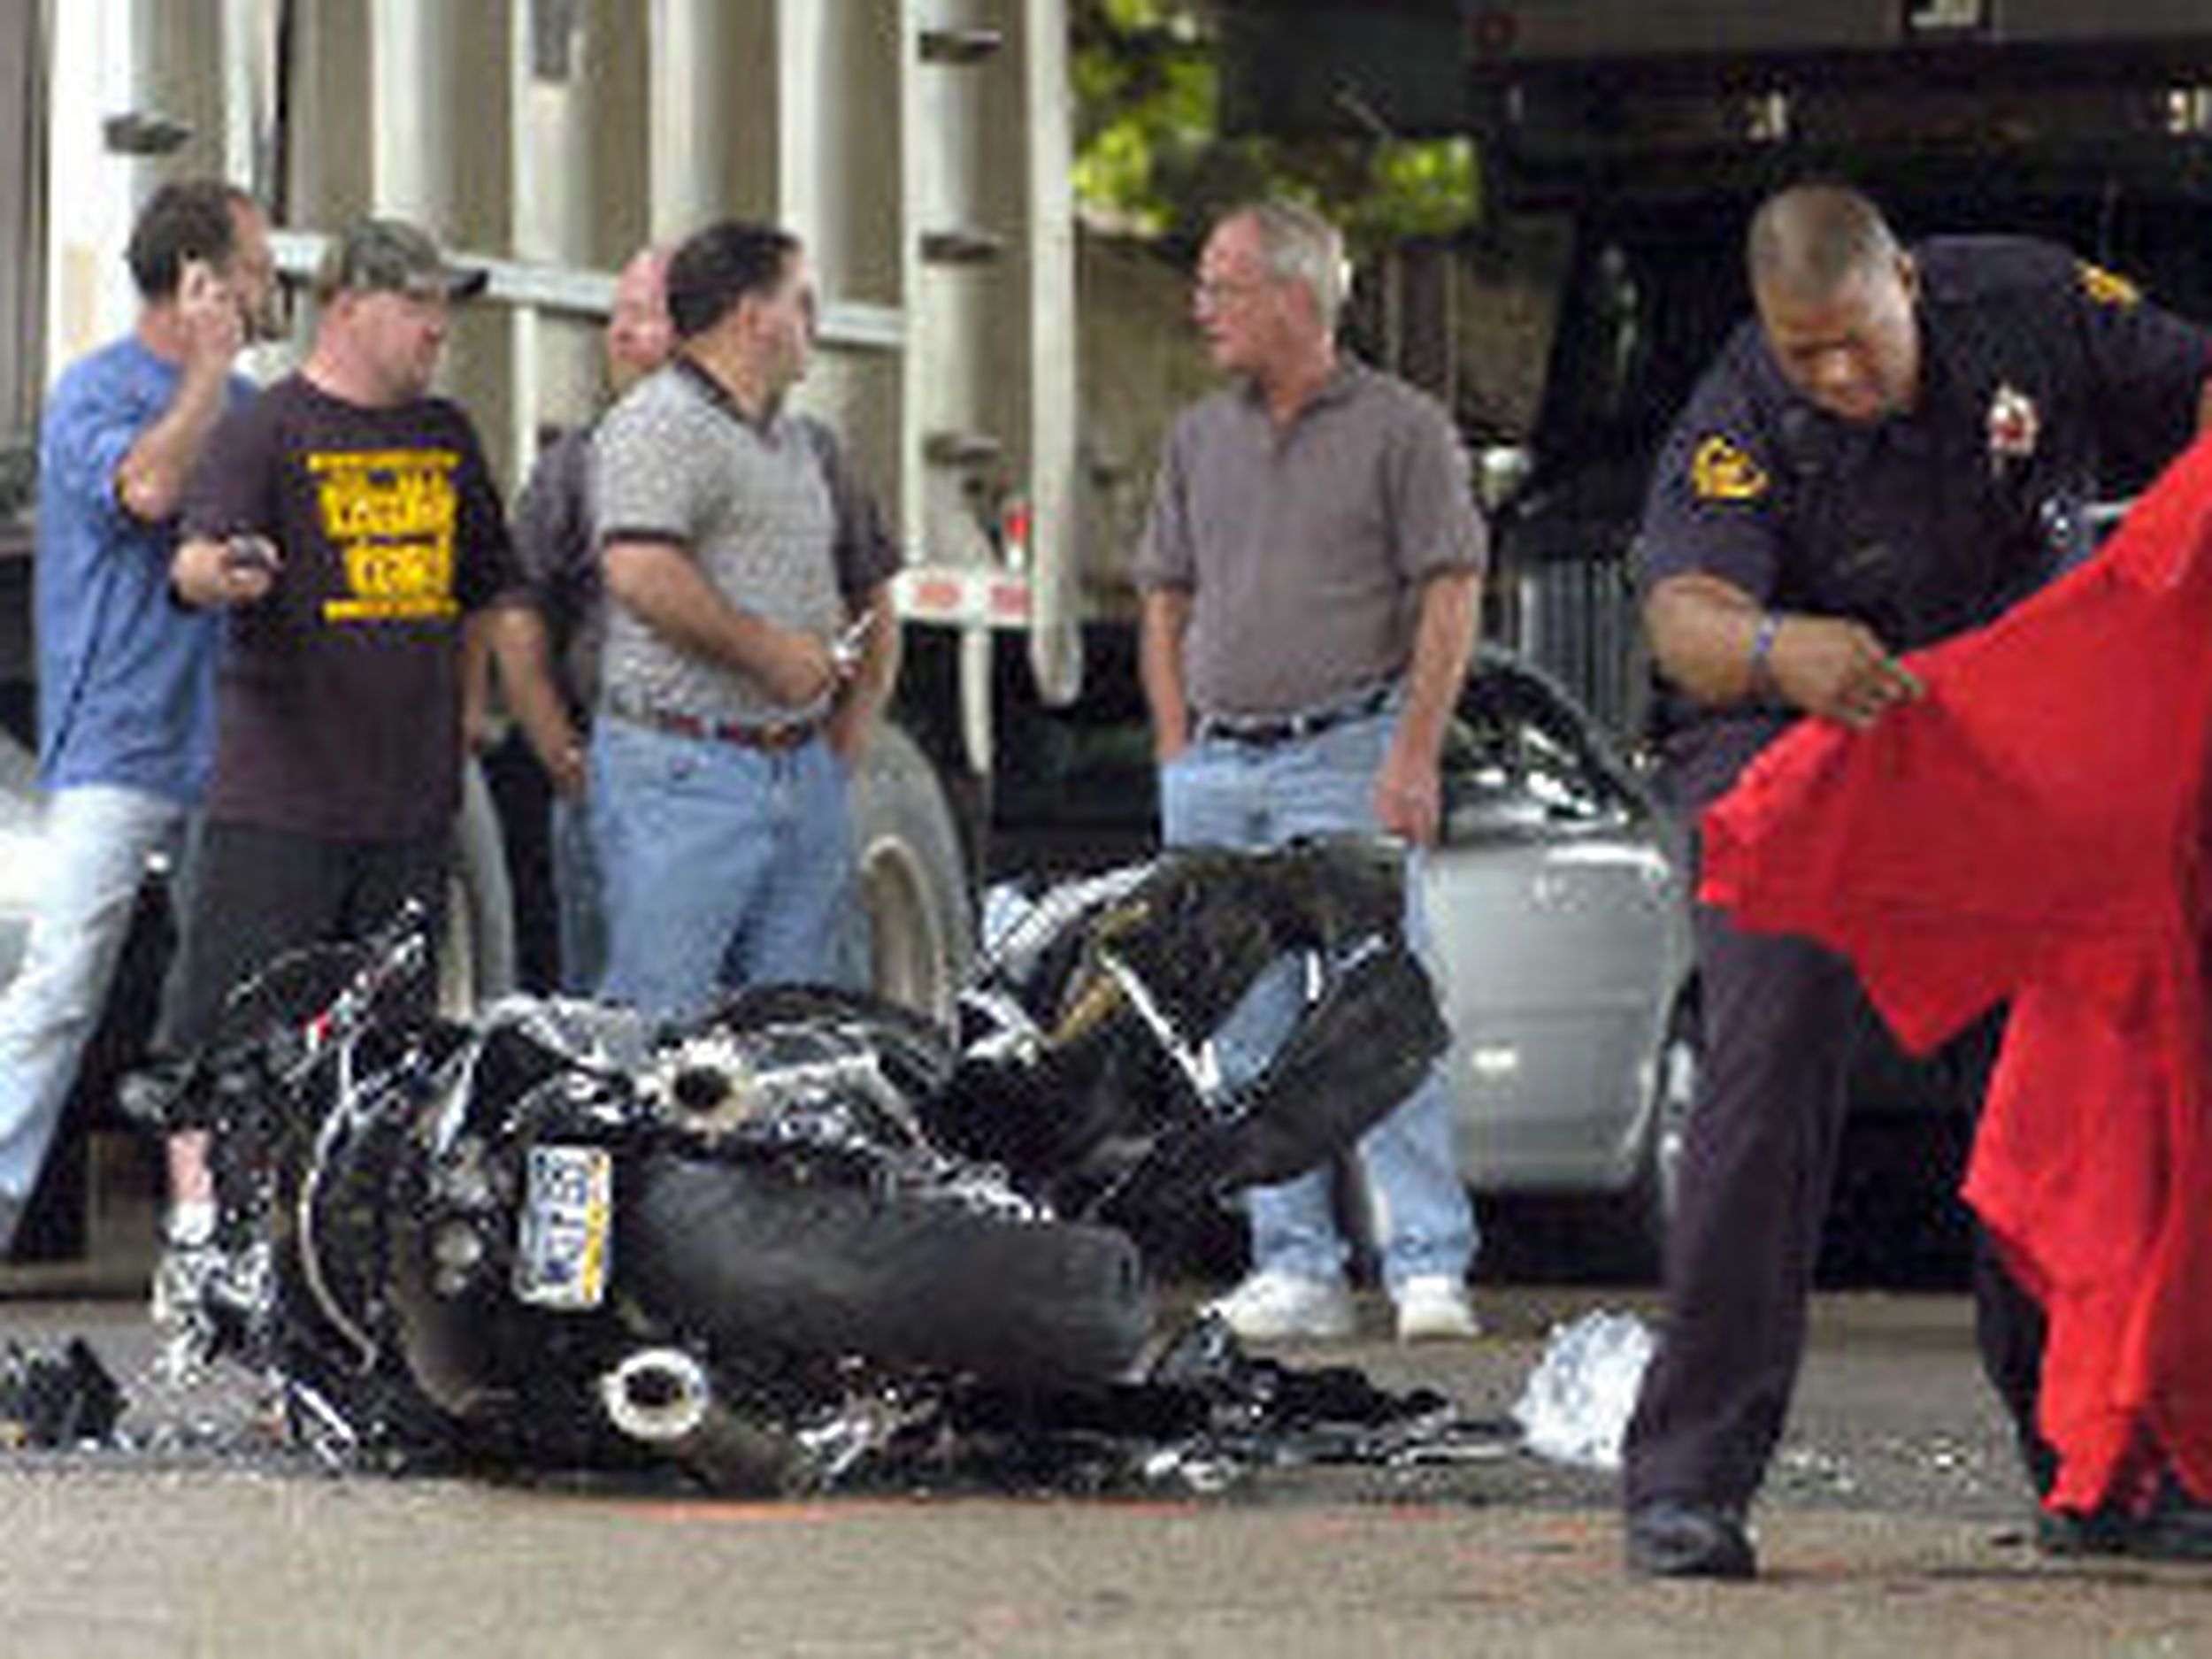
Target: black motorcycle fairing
563,1233
1083,1071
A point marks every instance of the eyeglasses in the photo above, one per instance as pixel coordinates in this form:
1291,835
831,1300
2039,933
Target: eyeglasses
1214,292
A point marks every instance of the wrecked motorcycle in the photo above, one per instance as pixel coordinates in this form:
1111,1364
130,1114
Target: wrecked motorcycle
807,1229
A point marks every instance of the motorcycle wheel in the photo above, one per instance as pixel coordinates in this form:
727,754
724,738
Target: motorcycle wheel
761,1262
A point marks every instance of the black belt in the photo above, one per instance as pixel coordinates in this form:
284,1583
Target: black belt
773,739
1268,731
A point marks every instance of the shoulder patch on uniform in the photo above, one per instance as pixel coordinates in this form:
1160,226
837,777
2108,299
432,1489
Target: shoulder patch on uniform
2106,287
1719,471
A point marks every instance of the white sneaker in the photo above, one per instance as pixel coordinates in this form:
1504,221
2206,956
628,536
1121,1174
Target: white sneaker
183,1325
1432,1308
1276,1307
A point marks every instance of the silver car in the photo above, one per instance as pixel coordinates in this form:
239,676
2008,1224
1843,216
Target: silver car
1557,906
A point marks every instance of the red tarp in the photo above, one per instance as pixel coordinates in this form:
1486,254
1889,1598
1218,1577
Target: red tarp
2034,830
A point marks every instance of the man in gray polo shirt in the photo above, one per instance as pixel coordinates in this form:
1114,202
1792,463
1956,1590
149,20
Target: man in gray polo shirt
1311,578
730,706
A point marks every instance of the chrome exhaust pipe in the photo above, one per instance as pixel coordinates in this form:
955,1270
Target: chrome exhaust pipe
664,1398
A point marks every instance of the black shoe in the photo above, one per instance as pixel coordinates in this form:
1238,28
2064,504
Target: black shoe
2176,1527
1670,1538
2077,1533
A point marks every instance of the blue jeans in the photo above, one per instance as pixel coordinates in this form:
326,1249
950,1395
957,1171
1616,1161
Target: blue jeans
722,865
1222,794
581,904
95,842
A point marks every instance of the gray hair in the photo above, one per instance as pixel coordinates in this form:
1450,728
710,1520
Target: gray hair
1810,239
1300,246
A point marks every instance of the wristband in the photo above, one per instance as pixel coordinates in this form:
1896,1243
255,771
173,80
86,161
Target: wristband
1762,649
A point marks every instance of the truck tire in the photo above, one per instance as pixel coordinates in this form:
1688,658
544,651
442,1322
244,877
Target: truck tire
765,1264
476,956
911,877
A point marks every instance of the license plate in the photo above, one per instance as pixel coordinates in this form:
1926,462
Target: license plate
567,1227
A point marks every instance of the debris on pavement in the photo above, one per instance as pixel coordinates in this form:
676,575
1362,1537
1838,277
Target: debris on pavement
1576,1405
53,1398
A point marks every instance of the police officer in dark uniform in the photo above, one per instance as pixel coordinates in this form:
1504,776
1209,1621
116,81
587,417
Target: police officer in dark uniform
1898,448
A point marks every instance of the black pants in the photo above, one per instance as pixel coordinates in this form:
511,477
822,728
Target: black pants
257,892
1758,1162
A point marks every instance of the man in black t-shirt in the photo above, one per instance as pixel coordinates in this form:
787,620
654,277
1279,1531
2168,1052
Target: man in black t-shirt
348,524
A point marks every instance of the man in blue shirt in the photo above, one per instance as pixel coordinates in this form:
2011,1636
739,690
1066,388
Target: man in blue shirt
125,676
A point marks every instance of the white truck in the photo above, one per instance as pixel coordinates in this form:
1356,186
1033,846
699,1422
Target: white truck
920,148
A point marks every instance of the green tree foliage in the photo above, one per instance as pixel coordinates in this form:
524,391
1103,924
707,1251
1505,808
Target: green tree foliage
1151,158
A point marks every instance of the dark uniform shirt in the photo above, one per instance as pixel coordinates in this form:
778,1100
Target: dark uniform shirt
2040,376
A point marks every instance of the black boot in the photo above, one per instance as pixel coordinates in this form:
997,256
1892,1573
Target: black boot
1668,1538
2176,1527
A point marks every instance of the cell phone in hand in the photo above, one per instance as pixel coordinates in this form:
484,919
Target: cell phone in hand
249,553
845,648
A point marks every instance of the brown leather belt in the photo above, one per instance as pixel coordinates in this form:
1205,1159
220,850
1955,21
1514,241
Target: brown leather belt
771,740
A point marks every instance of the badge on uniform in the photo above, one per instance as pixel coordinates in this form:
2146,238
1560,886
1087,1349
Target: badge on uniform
2107,288
1721,471
2014,426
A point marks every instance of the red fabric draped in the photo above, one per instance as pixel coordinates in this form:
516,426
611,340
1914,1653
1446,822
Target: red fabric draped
2034,830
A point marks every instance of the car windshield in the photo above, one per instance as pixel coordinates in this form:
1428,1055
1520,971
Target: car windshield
1522,757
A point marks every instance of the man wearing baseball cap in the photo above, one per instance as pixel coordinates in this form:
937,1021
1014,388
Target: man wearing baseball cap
391,256
348,524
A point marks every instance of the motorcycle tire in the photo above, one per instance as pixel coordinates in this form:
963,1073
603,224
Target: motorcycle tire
762,1263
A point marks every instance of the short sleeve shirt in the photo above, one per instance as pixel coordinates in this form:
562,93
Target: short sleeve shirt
126,678
340,704
1305,548
559,554
2039,375
678,462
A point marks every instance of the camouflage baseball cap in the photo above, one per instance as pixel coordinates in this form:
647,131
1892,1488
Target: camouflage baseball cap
391,256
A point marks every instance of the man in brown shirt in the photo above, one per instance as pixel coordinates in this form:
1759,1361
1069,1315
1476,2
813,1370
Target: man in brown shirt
1311,578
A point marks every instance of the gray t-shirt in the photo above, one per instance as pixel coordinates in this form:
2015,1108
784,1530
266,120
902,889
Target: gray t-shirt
675,461
1305,550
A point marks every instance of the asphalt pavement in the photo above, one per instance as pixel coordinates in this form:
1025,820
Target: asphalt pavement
1894,1523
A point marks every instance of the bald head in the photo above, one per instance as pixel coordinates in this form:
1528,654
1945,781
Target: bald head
1836,299
639,336
1809,240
